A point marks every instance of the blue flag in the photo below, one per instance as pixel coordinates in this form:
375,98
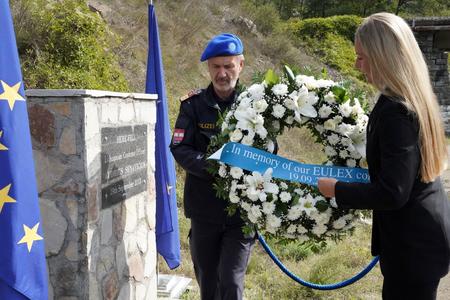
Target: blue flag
167,236
23,272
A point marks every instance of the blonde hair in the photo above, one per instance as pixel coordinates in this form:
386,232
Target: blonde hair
398,69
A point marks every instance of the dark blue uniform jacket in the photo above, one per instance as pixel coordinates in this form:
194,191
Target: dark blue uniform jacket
195,125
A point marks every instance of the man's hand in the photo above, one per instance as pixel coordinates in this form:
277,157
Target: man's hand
326,186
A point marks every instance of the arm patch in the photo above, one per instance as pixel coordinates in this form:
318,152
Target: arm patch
190,94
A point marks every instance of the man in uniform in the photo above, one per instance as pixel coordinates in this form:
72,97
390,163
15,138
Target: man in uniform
219,249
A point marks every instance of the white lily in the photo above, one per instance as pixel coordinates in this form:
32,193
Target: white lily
257,184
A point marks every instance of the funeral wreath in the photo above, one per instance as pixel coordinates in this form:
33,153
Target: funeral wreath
264,111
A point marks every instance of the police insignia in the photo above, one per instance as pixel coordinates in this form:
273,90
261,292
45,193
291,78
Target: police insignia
190,94
178,136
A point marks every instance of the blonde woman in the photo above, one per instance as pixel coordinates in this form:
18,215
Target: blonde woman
406,153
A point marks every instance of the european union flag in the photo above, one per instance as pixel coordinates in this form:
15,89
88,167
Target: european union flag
23,272
167,236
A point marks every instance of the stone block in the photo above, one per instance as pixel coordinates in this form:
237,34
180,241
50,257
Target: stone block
49,170
62,108
136,267
67,143
106,226
126,113
91,120
131,214
110,112
42,126
110,286
141,236
54,226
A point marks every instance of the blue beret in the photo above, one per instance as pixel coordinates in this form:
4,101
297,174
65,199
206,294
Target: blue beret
224,44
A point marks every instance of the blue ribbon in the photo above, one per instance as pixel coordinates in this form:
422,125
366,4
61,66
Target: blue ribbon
253,159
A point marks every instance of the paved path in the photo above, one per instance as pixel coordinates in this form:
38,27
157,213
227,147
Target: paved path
444,286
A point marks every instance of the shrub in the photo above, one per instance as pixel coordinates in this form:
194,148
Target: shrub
265,16
330,39
65,45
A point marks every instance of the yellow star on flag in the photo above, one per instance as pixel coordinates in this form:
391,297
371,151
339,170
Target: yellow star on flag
2,147
30,236
11,93
4,197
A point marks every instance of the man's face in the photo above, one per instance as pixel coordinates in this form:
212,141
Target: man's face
224,72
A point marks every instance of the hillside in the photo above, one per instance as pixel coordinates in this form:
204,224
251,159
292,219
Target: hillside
185,27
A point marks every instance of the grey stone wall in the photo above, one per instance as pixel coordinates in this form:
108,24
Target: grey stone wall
92,253
429,32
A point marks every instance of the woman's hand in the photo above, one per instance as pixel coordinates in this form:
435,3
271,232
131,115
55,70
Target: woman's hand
326,186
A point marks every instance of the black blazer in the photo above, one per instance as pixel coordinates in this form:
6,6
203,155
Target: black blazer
411,219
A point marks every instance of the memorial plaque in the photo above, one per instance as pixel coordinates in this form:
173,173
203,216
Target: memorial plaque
123,163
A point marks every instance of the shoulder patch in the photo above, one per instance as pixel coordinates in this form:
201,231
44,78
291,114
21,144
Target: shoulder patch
190,94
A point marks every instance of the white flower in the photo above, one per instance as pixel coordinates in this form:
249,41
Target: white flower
294,212
333,202
278,111
302,238
329,125
236,172
333,139
224,126
268,207
254,214
283,186
345,109
301,229
356,108
249,119
351,163
289,120
299,192
260,105
308,81
280,89
290,104
339,223
248,139
223,170
273,222
323,83
329,151
246,206
256,91
305,103
276,125
291,229
320,128
285,197
257,184
319,229
330,98
234,198
244,102
345,129
343,154
325,111
236,135
270,146
262,197
308,204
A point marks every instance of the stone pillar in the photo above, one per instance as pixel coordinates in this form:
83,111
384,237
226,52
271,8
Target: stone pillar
94,156
437,61
433,36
